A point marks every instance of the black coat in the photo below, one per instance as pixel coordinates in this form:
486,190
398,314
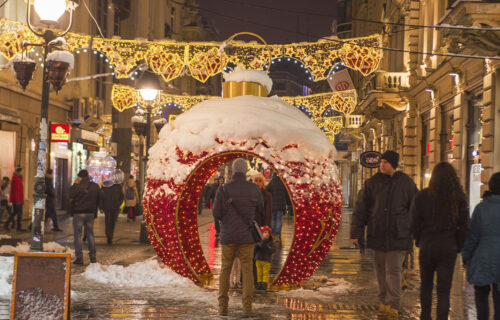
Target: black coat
111,198
50,192
383,207
264,250
279,193
247,197
85,196
428,233
264,216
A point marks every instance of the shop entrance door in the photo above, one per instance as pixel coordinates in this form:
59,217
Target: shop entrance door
62,185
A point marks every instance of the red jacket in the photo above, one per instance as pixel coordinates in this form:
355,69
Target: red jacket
16,189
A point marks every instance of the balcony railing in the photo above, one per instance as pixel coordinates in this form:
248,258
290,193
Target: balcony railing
392,81
354,121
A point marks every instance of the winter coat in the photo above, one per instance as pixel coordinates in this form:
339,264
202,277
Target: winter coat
482,245
16,189
5,194
383,207
279,194
212,191
263,217
264,250
50,200
111,198
246,196
130,202
85,196
428,233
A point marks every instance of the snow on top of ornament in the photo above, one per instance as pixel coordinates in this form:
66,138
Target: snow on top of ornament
241,119
64,56
241,75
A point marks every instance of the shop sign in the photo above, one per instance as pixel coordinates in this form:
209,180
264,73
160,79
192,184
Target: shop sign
370,159
59,133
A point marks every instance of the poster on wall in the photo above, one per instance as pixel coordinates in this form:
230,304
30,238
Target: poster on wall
8,154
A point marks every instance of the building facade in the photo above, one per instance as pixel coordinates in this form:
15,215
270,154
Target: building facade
427,106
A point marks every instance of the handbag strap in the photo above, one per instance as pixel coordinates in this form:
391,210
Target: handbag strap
231,203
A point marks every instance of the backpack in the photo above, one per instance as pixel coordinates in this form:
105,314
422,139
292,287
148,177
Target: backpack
130,193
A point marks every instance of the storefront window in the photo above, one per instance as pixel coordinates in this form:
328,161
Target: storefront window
79,159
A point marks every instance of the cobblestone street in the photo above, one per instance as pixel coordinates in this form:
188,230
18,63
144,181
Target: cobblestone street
343,288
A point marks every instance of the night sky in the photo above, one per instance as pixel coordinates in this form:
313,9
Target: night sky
230,17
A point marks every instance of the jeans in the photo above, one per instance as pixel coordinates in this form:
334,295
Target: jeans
245,253
109,221
389,267
50,212
442,262
277,222
85,220
482,294
17,210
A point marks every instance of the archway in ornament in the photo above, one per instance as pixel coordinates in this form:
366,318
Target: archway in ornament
172,219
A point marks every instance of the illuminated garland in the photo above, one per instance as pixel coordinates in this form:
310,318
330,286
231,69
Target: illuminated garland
315,106
205,59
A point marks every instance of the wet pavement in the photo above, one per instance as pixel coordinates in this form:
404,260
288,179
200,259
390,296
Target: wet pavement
344,287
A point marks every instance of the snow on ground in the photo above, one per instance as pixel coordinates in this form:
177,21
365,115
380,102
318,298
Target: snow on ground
6,271
148,279
47,247
332,287
5,236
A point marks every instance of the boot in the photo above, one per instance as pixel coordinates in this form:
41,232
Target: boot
258,286
223,311
78,261
383,310
263,286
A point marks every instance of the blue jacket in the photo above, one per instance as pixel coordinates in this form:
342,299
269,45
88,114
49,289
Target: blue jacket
482,245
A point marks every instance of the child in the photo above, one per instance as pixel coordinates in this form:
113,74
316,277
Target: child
263,252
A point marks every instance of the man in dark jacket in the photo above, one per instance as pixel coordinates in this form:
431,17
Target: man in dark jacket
280,198
383,207
85,196
110,199
50,200
235,206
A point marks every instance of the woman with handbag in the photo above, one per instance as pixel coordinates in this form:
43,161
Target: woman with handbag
440,223
131,198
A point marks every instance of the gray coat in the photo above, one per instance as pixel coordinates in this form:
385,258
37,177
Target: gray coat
383,207
247,197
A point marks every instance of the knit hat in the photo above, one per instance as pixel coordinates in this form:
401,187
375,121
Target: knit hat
83,174
240,165
392,157
265,228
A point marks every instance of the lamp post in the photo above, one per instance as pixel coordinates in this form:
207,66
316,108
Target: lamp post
54,72
148,88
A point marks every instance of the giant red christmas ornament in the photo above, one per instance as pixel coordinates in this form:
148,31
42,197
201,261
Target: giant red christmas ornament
216,131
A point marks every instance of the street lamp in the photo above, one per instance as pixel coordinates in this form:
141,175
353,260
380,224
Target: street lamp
55,70
148,89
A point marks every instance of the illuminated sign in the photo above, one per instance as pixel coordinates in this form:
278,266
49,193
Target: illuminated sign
370,159
59,133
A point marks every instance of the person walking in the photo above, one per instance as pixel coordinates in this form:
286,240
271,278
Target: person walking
440,223
235,206
481,255
85,196
17,197
263,253
280,199
5,205
213,190
131,198
383,208
50,200
263,217
110,200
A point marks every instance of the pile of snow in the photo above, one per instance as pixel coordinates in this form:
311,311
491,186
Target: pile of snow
6,271
5,236
241,75
63,56
334,286
141,274
245,118
47,247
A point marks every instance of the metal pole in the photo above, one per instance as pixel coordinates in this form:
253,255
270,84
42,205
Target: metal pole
143,234
38,215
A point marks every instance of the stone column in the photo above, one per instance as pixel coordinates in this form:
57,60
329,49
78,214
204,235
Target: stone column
460,114
490,146
410,143
434,136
